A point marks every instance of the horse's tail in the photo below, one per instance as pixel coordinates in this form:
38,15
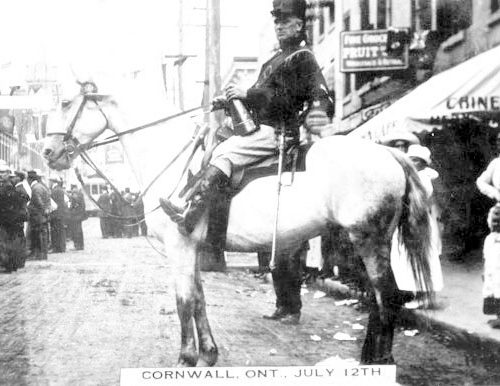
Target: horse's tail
415,226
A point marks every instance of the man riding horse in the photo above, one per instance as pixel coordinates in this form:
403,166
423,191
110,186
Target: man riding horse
289,91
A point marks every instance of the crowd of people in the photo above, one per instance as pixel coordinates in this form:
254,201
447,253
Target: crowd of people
36,217
121,214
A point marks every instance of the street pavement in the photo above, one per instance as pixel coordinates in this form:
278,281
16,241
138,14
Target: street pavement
81,316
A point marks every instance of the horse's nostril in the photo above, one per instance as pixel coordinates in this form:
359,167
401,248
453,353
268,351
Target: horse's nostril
47,152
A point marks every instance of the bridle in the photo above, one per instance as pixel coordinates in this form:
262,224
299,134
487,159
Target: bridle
72,145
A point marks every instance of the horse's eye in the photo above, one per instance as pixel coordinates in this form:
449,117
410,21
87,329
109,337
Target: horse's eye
65,104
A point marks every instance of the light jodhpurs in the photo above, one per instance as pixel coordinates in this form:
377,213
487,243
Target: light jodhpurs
238,152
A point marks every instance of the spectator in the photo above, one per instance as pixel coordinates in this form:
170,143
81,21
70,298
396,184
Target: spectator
488,184
18,180
11,220
116,211
104,202
77,214
139,210
421,157
57,217
128,213
38,211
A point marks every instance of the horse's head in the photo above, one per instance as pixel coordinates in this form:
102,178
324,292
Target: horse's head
73,127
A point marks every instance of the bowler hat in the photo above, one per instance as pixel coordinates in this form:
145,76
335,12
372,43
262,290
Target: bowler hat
282,8
32,174
19,174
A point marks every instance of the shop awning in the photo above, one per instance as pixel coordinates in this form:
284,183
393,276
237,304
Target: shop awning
470,89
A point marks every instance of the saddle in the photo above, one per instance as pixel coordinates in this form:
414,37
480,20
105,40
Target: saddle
218,210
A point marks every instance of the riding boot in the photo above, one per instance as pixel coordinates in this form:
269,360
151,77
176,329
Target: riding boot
206,188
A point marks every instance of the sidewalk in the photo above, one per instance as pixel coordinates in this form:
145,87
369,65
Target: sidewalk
459,308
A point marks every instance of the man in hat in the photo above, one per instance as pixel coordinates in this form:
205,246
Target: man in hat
77,214
18,180
290,91
57,217
104,202
11,219
39,211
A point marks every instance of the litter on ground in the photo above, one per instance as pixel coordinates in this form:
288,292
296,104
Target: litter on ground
343,336
346,302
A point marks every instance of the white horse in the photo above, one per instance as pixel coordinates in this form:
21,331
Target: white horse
365,188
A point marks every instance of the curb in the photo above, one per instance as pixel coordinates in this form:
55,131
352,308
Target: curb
453,335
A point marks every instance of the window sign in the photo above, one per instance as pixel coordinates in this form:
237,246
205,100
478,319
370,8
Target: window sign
367,51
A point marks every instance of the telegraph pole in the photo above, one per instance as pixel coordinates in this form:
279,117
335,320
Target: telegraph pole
212,259
212,56
338,76
180,63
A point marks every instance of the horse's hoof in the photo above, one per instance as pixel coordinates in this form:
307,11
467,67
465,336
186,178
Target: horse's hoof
187,361
208,358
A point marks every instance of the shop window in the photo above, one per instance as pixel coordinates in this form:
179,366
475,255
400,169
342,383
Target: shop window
347,22
321,20
381,14
494,5
347,84
331,12
364,9
453,16
422,14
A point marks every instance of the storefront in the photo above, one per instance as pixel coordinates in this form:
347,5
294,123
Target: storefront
456,114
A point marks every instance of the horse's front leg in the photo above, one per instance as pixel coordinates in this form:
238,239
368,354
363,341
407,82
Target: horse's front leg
183,255
208,351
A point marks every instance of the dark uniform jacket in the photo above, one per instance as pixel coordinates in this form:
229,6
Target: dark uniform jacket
12,205
104,202
58,197
289,83
77,207
39,206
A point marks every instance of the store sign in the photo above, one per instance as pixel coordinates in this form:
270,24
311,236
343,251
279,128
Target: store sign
367,51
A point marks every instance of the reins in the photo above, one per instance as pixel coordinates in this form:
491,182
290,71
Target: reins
116,137
68,136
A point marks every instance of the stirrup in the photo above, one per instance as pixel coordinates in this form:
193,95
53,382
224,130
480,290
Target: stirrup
176,213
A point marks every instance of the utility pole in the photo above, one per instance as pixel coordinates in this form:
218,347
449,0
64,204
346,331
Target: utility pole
212,259
212,57
181,44
338,76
